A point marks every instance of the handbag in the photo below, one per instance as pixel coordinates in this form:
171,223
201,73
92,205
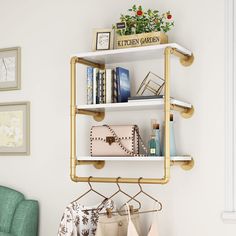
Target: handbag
118,225
116,140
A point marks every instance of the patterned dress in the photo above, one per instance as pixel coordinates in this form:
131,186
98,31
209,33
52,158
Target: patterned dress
80,220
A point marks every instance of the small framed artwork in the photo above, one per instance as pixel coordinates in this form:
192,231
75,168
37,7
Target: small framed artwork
103,39
14,128
10,59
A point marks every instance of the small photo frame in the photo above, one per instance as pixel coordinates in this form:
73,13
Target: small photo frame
103,39
10,76
14,129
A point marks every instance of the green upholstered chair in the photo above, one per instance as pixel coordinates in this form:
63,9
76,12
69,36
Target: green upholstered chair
18,217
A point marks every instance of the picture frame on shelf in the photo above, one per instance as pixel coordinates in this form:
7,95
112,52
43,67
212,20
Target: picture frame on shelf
14,128
103,39
10,69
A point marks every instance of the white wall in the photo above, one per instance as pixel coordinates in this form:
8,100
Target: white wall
48,33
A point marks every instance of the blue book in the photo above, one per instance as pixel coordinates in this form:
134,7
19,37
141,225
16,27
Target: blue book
123,84
89,85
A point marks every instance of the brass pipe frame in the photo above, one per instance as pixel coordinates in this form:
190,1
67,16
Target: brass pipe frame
185,60
97,115
167,53
121,180
74,162
184,111
89,63
185,165
73,119
96,164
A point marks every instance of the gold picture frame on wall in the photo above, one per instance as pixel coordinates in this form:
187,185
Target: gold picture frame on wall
14,128
10,69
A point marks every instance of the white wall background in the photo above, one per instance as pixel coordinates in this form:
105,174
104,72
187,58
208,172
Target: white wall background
48,33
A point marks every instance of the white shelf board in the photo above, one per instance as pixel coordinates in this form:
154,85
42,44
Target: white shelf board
125,158
130,54
132,106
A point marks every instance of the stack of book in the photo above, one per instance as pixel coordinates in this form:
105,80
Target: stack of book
107,86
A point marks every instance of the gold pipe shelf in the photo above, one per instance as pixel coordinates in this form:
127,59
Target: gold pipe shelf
99,59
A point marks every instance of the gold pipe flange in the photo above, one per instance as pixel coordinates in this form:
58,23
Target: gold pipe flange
187,61
99,164
188,113
99,116
188,165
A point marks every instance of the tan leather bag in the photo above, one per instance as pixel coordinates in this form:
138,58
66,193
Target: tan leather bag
115,140
116,226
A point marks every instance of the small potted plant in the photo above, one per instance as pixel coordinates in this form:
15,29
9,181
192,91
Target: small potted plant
143,28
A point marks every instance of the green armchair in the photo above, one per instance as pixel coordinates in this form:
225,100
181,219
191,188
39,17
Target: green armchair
18,217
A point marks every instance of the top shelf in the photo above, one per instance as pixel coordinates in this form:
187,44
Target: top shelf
130,54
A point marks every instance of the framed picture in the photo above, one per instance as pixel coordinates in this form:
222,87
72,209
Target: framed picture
10,69
14,128
103,39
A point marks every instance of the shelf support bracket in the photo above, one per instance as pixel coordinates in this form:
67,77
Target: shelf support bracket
185,60
97,115
185,165
184,111
96,164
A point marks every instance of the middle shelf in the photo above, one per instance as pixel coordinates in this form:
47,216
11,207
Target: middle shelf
132,106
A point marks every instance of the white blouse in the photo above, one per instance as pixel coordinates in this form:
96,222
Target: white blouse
80,220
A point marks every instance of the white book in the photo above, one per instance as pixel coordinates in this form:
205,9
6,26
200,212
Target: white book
95,71
109,84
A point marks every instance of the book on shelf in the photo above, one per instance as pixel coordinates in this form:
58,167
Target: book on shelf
89,85
123,84
101,87
107,86
95,85
114,95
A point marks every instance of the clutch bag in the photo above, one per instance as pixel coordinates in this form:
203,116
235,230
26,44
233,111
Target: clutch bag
115,140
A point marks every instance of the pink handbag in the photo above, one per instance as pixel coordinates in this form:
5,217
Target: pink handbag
115,140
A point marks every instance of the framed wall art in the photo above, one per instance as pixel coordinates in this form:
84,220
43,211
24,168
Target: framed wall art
10,59
103,39
14,128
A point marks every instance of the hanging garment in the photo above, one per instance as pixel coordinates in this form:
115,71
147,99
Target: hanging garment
80,220
153,229
131,228
119,225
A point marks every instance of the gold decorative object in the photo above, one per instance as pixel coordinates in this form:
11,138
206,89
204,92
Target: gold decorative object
152,83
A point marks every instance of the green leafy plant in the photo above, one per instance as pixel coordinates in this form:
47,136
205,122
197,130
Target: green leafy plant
140,21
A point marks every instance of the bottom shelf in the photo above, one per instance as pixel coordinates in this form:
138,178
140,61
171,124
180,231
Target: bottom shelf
186,162
128,158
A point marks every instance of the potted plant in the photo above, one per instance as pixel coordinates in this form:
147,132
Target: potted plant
142,28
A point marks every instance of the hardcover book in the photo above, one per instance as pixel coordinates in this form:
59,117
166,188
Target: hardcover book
101,87
123,84
95,86
114,89
89,85
109,85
